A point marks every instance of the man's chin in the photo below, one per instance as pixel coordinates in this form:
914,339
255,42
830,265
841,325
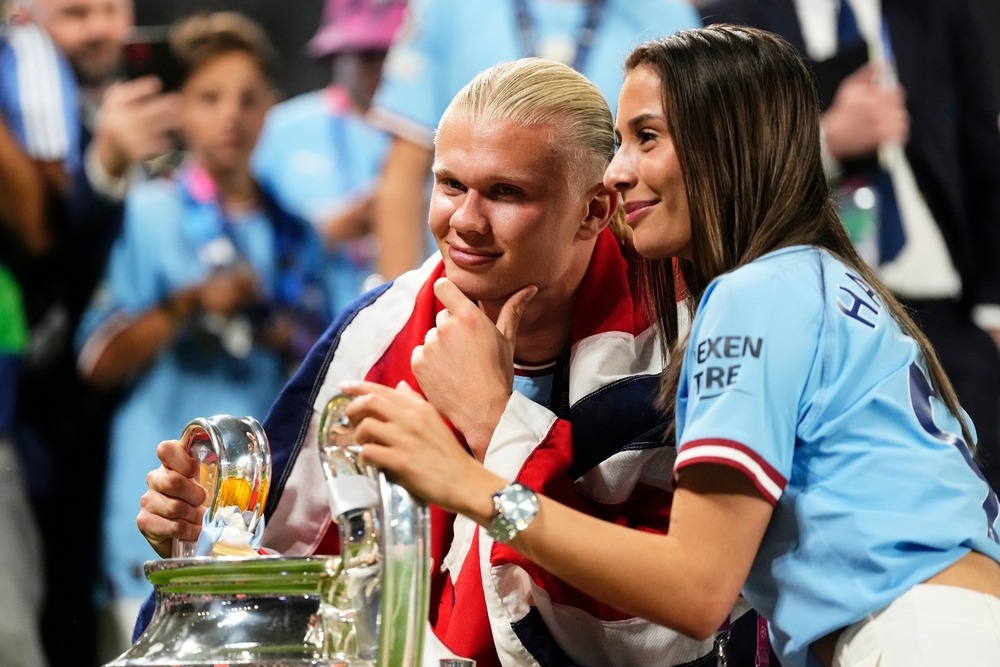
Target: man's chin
96,74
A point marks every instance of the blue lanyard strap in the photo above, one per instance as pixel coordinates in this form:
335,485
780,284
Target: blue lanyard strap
207,228
526,27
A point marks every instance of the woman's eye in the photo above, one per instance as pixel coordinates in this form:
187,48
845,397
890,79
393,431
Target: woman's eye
645,135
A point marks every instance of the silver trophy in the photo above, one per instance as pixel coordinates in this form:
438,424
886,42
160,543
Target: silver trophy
375,610
365,608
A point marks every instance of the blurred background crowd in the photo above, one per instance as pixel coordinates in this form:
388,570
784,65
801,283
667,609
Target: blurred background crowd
191,191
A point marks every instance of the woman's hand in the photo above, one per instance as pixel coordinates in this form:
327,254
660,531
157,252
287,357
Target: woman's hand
173,506
404,435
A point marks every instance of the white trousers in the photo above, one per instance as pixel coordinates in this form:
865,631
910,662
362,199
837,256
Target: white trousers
928,626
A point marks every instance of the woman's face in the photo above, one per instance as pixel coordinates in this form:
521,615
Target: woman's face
646,172
224,103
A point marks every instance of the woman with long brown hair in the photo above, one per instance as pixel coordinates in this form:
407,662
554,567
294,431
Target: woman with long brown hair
824,467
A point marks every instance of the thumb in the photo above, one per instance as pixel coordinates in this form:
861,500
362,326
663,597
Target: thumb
404,387
513,309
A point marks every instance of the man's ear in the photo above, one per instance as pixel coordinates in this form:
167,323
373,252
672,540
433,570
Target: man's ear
600,209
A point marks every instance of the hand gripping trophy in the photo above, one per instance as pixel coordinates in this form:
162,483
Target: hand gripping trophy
219,604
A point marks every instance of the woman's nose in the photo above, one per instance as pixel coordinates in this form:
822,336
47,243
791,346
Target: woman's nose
619,175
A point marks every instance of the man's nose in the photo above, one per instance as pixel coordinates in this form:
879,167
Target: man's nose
470,215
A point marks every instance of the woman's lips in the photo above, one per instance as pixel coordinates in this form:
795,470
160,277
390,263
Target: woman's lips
636,209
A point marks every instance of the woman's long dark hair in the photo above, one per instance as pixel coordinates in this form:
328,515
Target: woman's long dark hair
743,113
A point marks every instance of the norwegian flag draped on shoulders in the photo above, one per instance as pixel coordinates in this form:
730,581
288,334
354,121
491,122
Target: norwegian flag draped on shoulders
603,455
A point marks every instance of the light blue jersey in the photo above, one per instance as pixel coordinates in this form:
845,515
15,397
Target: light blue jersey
158,253
797,375
318,158
38,95
445,43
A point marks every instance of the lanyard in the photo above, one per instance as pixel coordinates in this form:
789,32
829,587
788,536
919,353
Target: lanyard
526,27
207,227
337,107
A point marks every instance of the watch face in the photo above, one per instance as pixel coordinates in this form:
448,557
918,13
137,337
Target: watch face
516,506
519,506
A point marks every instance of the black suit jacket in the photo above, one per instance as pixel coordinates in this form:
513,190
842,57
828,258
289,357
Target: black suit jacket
951,96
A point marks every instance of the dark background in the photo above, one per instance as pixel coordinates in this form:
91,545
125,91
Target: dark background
990,10
289,24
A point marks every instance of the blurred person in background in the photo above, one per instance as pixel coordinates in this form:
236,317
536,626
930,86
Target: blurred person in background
912,147
22,581
59,60
28,133
320,157
212,291
444,43
289,27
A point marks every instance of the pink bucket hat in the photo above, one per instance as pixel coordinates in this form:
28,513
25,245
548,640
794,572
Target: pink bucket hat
356,25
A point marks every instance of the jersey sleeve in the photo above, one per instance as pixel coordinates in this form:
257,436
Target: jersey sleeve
38,95
749,356
412,94
148,260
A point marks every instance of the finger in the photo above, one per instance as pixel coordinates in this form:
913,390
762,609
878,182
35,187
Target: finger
175,456
362,387
417,356
512,310
174,508
431,337
453,299
168,484
378,404
440,318
404,388
136,89
378,456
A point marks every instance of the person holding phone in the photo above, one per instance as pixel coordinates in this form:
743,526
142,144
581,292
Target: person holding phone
212,291
83,128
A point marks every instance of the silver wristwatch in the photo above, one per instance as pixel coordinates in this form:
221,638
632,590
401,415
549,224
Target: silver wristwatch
516,506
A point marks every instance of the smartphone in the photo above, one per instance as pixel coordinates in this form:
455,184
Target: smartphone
147,52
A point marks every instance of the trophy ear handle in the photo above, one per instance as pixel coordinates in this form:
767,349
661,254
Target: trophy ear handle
235,468
335,428
379,597
197,440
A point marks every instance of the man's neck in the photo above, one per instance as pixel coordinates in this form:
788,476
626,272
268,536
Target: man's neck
544,329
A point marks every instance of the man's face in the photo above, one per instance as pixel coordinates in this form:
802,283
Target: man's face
505,211
91,33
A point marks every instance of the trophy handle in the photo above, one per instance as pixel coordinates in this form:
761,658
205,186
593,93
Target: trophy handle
235,468
378,608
